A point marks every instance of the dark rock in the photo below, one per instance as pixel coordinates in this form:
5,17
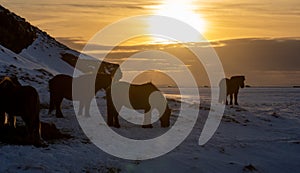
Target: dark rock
249,168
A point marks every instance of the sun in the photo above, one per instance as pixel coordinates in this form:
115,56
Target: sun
182,10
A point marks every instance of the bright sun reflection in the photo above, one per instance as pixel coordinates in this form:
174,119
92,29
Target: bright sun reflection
183,10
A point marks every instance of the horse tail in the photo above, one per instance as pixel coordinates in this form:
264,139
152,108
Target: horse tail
223,90
32,111
51,101
50,84
37,112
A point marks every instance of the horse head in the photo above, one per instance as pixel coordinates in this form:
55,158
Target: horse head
151,86
9,83
103,81
239,80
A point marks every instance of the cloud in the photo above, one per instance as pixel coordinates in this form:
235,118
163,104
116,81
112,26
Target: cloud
260,54
76,43
264,61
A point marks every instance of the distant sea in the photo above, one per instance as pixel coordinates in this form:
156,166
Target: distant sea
247,96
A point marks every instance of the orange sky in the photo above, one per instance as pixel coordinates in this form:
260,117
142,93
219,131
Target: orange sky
79,20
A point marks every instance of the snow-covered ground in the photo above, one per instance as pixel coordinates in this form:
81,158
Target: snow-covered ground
261,135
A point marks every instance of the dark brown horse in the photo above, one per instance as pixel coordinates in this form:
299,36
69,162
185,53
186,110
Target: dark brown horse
231,87
139,99
17,100
11,119
61,87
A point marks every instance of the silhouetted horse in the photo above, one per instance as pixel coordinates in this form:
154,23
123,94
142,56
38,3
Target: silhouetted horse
17,100
230,87
60,87
139,97
11,119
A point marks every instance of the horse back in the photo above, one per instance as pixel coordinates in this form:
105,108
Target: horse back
61,86
23,99
139,95
232,86
60,81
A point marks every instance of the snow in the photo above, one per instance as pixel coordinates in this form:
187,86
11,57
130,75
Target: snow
10,58
46,52
250,134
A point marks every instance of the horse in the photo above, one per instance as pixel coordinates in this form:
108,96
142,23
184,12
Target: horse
18,100
138,97
231,87
60,87
11,119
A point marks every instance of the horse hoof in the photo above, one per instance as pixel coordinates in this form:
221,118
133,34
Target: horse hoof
147,126
59,116
117,126
41,143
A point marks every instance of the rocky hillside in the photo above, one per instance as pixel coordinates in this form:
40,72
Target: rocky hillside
23,42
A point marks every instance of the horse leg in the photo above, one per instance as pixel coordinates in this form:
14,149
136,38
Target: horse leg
58,107
32,116
230,95
147,119
226,101
113,117
116,120
112,113
110,119
51,107
110,116
33,127
235,98
80,108
12,121
222,95
87,108
2,119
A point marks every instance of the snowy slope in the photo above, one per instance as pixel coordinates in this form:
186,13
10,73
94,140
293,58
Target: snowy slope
10,58
46,52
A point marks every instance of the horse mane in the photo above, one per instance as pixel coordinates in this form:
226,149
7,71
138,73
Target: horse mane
238,77
6,78
237,80
152,85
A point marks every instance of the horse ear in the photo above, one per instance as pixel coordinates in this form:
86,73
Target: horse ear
15,80
6,83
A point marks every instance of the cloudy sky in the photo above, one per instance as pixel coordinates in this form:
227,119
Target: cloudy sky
269,62
216,19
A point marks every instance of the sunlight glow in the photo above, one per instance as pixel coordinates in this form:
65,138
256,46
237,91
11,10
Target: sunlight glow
183,10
